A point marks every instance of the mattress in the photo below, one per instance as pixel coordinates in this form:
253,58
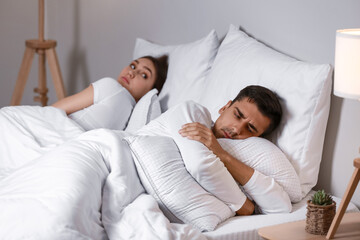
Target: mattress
246,227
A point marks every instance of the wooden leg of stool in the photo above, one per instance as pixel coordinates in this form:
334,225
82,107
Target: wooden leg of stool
22,76
41,89
344,203
55,72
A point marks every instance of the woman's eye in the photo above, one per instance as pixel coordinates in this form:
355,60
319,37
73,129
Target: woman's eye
237,116
144,76
250,130
132,66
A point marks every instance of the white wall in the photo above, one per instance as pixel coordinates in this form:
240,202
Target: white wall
17,23
96,38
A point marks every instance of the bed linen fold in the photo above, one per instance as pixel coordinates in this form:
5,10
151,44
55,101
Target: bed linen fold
27,132
59,182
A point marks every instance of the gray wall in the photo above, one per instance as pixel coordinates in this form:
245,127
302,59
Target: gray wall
96,38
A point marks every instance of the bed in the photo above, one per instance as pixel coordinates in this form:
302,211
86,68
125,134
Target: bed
59,182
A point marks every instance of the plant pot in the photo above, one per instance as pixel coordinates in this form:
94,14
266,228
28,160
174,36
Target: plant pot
319,218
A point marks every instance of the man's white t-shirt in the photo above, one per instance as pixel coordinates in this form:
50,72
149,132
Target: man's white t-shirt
111,109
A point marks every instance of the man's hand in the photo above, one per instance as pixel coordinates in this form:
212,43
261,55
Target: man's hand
199,132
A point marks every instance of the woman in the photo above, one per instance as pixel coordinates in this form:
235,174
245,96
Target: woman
107,103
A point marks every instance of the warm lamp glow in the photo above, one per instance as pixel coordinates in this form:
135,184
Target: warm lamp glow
347,64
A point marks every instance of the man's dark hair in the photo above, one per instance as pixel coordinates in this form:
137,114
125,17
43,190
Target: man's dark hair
161,67
266,101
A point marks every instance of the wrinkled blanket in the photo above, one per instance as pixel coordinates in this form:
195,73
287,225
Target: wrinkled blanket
59,182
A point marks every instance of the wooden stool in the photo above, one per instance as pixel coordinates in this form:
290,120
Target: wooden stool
345,200
45,48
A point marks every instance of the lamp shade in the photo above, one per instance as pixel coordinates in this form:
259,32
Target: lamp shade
347,64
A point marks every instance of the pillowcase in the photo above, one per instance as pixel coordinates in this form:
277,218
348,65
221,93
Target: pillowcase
267,158
199,161
208,170
164,176
145,110
304,88
188,66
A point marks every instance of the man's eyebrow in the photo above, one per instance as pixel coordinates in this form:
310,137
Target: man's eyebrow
239,112
242,116
253,127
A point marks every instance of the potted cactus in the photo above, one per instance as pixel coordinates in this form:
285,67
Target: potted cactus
320,213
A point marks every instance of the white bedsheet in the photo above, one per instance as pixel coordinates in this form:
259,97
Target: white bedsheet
57,182
27,132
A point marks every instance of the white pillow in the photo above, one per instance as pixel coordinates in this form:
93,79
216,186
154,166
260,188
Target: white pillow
145,110
163,175
200,162
267,158
304,87
207,168
188,66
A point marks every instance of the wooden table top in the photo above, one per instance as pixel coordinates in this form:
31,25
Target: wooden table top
349,229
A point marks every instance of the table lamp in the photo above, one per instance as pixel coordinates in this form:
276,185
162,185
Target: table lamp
347,85
347,64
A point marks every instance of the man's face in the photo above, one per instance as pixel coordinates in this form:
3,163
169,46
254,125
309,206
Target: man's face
240,120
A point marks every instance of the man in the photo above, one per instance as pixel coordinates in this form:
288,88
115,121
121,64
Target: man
255,112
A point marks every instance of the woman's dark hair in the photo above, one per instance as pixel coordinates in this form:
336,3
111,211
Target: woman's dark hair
267,102
161,67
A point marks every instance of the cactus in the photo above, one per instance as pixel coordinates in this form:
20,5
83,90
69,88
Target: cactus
321,198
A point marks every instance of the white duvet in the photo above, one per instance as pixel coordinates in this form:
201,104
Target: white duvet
59,182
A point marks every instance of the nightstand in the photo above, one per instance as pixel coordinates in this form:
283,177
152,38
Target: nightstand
349,229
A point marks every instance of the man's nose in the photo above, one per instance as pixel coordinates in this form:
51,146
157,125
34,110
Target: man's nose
239,128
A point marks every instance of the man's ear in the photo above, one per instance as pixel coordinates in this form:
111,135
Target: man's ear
221,110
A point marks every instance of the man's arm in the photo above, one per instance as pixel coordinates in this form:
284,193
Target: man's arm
255,183
239,171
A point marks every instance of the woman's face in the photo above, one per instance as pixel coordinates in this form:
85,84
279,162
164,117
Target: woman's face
138,78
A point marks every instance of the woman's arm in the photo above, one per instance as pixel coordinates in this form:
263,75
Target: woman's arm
77,101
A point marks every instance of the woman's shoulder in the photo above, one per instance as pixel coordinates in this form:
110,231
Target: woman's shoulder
106,82
106,87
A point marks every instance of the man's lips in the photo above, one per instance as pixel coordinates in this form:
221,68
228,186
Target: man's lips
125,80
226,135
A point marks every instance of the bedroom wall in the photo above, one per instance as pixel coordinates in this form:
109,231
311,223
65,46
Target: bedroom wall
96,38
